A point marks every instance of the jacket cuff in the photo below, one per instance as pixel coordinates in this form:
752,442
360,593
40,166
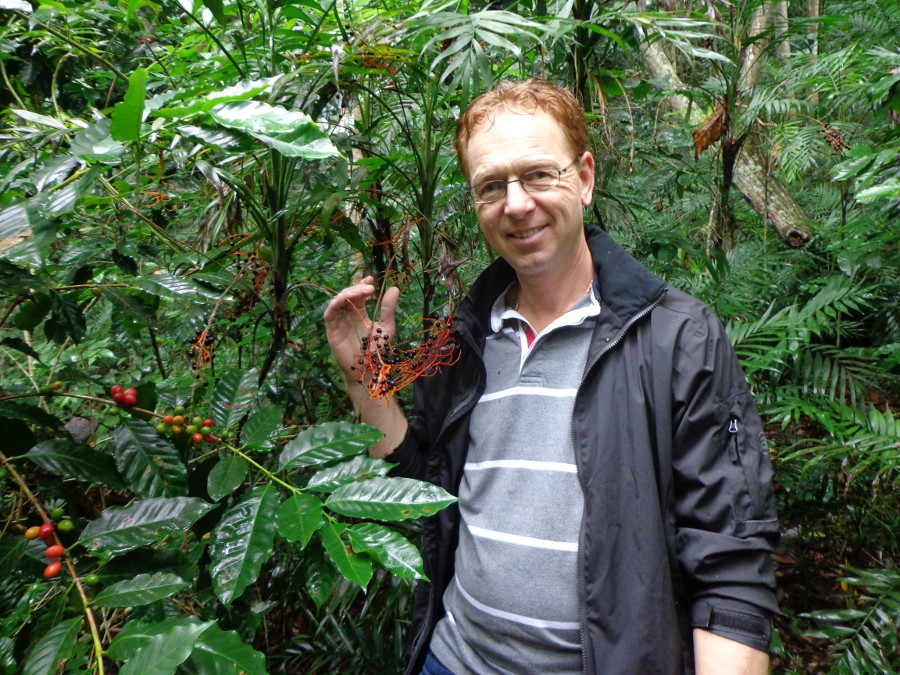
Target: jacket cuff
735,620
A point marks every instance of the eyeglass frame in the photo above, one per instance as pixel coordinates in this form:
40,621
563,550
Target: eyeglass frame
521,181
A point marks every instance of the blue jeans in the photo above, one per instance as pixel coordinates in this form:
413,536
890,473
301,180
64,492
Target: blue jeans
434,667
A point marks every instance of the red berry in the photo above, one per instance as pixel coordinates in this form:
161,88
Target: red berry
116,389
54,551
209,439
129,401
207,422
46,530
118,397
198,438
52,569
168,419
33,532
131,391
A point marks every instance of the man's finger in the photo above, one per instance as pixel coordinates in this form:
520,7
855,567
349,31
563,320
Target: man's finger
389,305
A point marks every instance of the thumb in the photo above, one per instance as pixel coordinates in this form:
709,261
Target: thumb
389,305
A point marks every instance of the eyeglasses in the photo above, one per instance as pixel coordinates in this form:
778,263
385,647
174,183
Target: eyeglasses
538,180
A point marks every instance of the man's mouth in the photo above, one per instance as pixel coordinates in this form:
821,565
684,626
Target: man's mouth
526,233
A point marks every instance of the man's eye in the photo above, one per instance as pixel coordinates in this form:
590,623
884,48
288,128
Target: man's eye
539,176
489,188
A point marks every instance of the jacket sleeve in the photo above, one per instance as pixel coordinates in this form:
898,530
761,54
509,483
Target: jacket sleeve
726,525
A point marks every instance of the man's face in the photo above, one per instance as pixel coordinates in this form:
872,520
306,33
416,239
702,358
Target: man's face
538,233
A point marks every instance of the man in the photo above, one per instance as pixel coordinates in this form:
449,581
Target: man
616,510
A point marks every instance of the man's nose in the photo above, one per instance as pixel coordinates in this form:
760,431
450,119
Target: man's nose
518,201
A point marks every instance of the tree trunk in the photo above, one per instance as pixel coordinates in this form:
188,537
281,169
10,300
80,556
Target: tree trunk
752,176
780,20
812,12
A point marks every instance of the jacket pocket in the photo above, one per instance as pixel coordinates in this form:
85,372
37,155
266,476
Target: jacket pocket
748,452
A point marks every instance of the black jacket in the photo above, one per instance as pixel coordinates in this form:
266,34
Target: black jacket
679,518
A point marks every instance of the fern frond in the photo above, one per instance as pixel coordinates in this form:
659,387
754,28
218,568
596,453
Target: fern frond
866,634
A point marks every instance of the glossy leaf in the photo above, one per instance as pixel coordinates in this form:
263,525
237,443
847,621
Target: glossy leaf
208,100
389,499
298,517
77,460
163,653
233,394
96,144
290,132
149,463
15,280
168,285
16,410
325,443
128,115
20,345
66,319
242,542
220,652
260,427
136,635
123,528
141,590
353,470
226,476
321,576
354,567
389,548
54,646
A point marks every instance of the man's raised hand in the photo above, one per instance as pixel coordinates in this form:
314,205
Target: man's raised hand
347,322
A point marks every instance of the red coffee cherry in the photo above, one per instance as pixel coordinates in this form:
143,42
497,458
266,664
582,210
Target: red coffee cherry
46,530
52,569
54,551
208,422
116,389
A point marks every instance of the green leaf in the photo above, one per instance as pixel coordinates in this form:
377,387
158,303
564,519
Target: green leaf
15,280
95,144
66,319
208,100
260,427
226,476
321,576
218,11
142,590
353,470
167,285
389,499
32,414
120,529
32,312
330,441
242,542
56,645
14,220
220,652
290,132
77,460
233,394
351,565
165,652
128,115
389,548
20,346
136,635
298,517
149,463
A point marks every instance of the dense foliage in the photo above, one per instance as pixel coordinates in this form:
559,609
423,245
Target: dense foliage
185,183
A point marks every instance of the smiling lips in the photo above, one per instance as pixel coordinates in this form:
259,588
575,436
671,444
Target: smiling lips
526,233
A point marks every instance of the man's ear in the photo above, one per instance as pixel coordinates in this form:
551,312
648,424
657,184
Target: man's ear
586,174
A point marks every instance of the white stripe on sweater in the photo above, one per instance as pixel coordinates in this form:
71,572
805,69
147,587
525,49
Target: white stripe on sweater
520,540
530,465
517,618
529,391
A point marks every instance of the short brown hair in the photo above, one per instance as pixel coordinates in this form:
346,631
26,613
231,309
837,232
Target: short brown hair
526,96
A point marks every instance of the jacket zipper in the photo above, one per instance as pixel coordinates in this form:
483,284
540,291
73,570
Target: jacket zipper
582,603
450,417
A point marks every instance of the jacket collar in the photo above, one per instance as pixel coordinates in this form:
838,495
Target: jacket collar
626,286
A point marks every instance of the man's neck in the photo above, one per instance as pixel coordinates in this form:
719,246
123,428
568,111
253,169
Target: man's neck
542,299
